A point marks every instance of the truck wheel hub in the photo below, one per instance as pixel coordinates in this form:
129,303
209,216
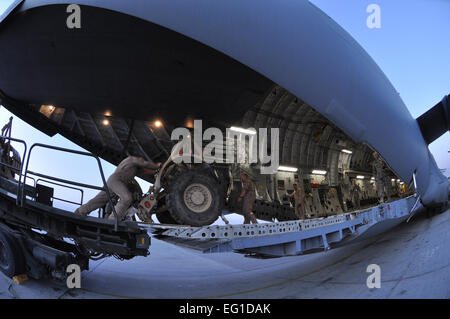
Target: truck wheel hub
197,198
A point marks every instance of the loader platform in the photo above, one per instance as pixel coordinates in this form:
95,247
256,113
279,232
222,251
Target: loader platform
39,239
289,238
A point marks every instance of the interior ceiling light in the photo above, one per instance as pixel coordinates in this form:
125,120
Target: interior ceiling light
360,177
287,169
319,172
347,151
189,123
243,130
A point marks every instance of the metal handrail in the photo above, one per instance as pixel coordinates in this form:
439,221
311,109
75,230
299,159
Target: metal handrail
62,185
64,180
34,180
415,181
21,164
412,212
105,188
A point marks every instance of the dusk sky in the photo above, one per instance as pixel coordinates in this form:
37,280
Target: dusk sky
411,47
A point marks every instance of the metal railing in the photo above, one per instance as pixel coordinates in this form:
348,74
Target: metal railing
61,185
412,211
21,195
34,180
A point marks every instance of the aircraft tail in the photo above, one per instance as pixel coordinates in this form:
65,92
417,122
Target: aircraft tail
436,121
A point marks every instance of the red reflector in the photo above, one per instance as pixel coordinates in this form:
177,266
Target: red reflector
147,204
180,152
389,207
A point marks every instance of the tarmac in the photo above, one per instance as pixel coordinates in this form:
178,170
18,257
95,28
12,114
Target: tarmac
414,260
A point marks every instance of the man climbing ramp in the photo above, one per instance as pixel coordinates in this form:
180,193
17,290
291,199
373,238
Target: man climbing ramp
117,184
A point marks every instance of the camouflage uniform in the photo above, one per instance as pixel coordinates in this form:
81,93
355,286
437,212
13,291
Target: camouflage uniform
387,186
117,184
248,202
299,206
383,181
355,192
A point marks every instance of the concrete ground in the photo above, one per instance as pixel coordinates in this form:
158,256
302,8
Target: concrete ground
414,260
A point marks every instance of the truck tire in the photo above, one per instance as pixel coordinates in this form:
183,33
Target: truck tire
194,198
11,256
166,218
